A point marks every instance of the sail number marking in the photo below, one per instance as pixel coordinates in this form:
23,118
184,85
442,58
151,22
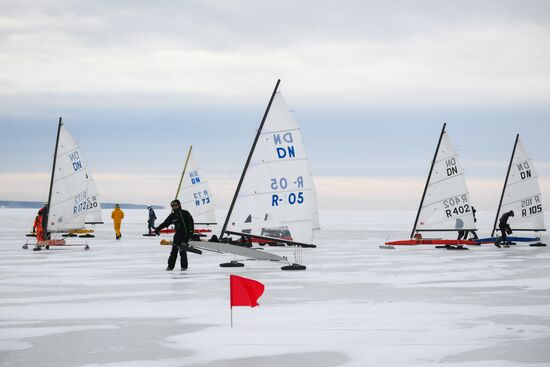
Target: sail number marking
531,206
292,198
201,197
91,202
456,205
80,202
282,183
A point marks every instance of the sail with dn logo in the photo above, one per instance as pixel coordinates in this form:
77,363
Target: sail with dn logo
69,190
445,205
69,194
521,193
275,200
194,192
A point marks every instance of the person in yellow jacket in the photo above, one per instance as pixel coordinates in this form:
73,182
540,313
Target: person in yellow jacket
117,216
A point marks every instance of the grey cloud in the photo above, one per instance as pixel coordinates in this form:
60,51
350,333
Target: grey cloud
351,51
234,24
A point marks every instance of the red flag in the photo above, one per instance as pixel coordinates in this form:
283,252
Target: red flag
244,291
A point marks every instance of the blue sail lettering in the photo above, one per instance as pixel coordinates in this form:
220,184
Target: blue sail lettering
287,138
283,153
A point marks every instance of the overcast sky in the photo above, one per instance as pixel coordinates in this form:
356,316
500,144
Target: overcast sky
370,84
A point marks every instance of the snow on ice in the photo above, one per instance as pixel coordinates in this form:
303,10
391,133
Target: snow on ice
356,305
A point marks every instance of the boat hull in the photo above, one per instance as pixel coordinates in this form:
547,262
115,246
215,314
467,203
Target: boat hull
171,231
434,242
509,239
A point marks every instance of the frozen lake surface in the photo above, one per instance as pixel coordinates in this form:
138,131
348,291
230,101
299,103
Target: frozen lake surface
356,305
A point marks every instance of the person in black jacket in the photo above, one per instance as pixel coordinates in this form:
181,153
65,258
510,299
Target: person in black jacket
184,226
151,220
504,227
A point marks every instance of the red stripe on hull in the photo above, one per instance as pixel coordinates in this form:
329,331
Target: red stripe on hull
196,230
431,242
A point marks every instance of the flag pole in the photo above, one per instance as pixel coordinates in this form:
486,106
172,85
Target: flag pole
231,299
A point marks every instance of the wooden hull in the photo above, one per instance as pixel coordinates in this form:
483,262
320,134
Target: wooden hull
82,231
51,243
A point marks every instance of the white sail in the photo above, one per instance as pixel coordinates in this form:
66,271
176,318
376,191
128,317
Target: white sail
277,197
447,204
93,207
67,209
315,212
195,194
522,193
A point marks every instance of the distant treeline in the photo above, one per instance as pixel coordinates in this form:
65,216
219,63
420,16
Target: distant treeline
38,204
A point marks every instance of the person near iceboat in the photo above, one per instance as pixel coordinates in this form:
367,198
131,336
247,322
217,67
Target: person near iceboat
117,215
38,226
34,225
504,227
151,220
37,222
184,225
463,235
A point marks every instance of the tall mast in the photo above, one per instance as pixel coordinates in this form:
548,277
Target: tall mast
428,180
51,180
184,169
505,182
249,158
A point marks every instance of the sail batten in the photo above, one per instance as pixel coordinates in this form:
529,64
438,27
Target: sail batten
435,202
279,131
273,162
535,178
443,179
437,161
520,200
